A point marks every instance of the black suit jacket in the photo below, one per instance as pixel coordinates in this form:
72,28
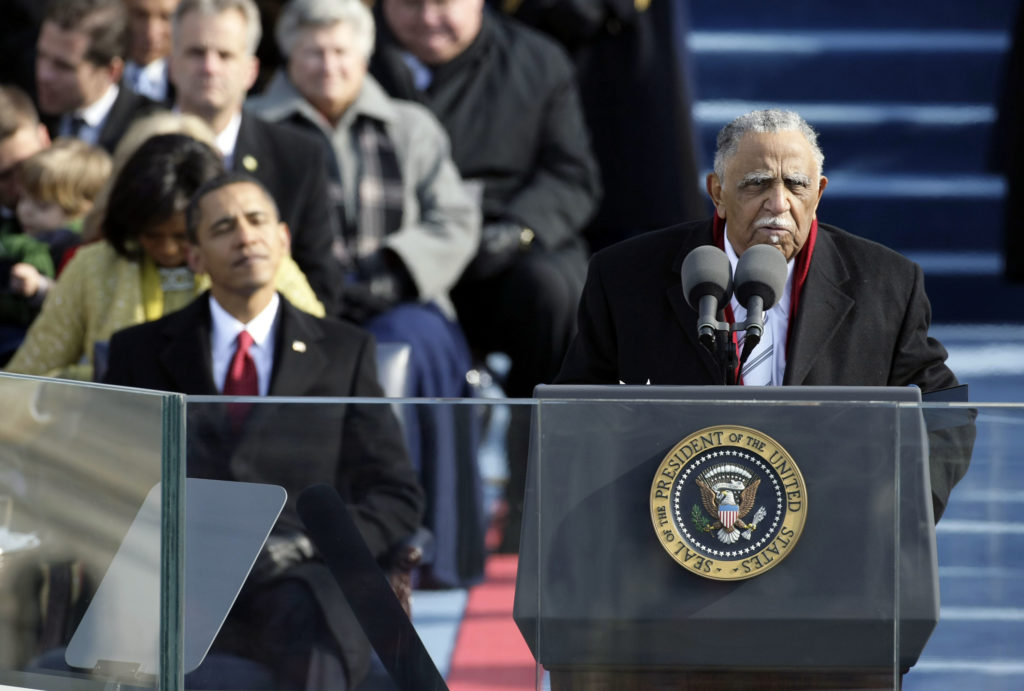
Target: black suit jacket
863,317
863,320
511,106
292,165
357,448
126,108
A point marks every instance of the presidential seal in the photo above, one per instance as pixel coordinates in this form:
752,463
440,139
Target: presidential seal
728,503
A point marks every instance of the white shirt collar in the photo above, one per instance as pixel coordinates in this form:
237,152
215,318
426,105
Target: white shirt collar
149,80
224,330
422,74
776,319
92,115
781,307
228,138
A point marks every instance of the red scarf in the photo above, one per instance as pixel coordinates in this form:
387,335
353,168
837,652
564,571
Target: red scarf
802,267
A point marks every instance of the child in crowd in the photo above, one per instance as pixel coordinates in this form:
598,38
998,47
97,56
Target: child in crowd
24,264
58,187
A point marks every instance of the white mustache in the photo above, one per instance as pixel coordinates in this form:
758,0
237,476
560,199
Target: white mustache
775,222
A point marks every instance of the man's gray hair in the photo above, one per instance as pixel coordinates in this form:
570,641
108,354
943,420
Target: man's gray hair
305,14
764,121
208,8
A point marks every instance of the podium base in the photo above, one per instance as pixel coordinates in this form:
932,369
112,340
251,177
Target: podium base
577,679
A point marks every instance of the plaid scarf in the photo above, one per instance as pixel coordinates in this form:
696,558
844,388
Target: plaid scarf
379,193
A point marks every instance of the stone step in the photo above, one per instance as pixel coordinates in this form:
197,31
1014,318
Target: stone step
871,136
886,14
974,298
850,66
918,212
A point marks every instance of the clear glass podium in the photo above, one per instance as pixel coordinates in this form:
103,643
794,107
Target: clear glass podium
629,577
93,486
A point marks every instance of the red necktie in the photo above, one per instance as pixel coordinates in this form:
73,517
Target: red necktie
241,379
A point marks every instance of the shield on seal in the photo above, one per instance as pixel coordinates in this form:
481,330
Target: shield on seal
727,514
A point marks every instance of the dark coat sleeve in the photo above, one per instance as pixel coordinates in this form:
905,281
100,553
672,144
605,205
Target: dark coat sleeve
573,21
374,473
921,360
119,369
564,189
918,358
313,230
592,355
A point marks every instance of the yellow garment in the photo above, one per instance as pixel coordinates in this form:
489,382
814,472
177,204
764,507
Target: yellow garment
156,301
99,293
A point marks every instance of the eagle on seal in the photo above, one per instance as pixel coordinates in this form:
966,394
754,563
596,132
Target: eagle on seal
721,501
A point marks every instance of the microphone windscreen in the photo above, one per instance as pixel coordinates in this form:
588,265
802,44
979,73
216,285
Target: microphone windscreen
706,271
761,271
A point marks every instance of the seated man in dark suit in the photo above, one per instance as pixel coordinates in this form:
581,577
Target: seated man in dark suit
79,63
852,313
213,66
243,338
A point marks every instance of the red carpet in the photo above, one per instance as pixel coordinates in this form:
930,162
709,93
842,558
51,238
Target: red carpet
489,652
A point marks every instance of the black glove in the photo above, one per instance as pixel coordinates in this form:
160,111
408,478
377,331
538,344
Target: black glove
381,282
500,244
281,552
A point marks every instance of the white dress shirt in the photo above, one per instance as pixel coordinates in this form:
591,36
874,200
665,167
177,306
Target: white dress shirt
228,138
422,74
776,319
224,330
149,80
93,117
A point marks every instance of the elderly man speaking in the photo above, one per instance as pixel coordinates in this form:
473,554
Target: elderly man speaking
852,313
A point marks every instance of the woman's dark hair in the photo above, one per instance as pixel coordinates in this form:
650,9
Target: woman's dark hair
155,183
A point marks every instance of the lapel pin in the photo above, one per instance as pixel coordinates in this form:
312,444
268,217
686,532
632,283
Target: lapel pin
298,346
250,163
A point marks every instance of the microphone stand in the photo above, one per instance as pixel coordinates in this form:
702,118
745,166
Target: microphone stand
724,350
726,356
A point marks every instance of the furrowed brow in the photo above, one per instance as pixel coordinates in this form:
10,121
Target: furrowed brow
757,177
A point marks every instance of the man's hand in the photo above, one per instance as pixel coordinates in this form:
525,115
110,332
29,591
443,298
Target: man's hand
382,282
500,244
280,553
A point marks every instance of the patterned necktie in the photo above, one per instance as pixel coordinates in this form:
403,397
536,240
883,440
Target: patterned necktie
759,368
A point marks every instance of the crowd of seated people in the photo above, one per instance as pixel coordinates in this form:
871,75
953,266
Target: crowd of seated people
430,160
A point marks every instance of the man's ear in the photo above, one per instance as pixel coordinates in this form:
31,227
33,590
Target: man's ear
287,235
115,69
195,259
714,186
43,134
254,71
172,71
822,184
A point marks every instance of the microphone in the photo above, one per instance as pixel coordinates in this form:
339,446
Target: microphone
760,280
707,286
